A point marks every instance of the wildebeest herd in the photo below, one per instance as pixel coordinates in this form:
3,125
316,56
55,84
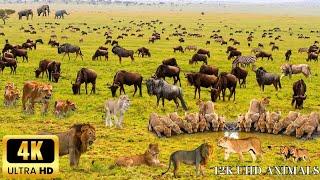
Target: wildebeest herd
169,78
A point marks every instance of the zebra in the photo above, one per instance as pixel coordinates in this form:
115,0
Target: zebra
301,50
244,60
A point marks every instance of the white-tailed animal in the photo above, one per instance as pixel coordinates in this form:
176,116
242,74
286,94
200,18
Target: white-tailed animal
114,108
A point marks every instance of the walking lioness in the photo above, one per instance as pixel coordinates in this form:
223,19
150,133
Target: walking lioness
239,146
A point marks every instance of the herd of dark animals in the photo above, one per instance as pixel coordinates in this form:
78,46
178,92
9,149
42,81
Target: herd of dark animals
207,77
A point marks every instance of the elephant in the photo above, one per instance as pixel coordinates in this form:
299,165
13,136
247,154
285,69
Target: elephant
26,12
60,14
44,9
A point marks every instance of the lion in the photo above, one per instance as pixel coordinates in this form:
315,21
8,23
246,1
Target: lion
193,118
298,122
279,126
36,92
222,121
149,158
11,95
198,157
158,126
271,119
240,122
298,154
205,107
212,121
75,141
63,107
285,151
202,123
170,124
310,126
239,146
183,125
261,125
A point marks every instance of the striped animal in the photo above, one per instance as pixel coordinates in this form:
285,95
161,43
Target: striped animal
244,60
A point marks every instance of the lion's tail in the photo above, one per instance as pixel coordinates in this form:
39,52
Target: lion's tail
168,167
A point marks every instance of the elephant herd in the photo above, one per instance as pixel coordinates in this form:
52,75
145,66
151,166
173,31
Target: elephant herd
44,10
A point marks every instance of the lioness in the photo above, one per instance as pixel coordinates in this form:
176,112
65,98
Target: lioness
198,157
298,154
75,141
36,92
63,107
11,94
149,158
239,146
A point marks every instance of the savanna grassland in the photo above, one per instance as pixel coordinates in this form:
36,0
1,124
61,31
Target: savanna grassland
134,137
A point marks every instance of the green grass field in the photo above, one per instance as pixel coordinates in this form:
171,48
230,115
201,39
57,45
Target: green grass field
134,137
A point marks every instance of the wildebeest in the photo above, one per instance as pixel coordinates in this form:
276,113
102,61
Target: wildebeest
263,55
126,78
241,74
29,45
210,70
164,71
289,69
86,76
20,53
224,81
144,52
121,52
99,53
203,51
299,90
164,90
199,80
265,78
53,43
230,48
170,62
69,48
43,65
288,54
178,48
54,70
198,57
312,56
189,48
8,62
234,53
275,48
301,50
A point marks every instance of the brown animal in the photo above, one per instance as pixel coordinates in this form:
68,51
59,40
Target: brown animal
178,48
298,154
11,94
150,158
205,107
209,70
75,141
198,57
199,80
298,122
8,62
309,127
170,62
158,126
239,146
279,126
164,71
61,108
35,92
171,124
240,122
203,51
86,76
193,118
241,74
225,80
271,119
99,53
261,125
212,121
183,125
285,151
198,157
20,53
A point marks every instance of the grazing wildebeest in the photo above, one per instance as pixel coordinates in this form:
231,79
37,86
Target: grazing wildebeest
234,53
207,42
29,45
224,81
210,70
54,71
99,53
60,14
86,76
299,90
256,50
230,48
53,43
203,51
265,78
241,74
178,48
164,90
20,53
288,54
263,55
164,71
44,10
289,69
312,56
170,62
189,48
144,52
43,65
126,78
260,45
121,52
199,80
69,48
114,42
301,50
198,57
8,62
274,47
26,12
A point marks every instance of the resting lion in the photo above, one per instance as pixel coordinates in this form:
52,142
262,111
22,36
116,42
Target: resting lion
75,141
149,158
198,157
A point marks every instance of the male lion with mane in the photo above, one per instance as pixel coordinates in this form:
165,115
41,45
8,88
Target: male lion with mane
75,141
36,92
